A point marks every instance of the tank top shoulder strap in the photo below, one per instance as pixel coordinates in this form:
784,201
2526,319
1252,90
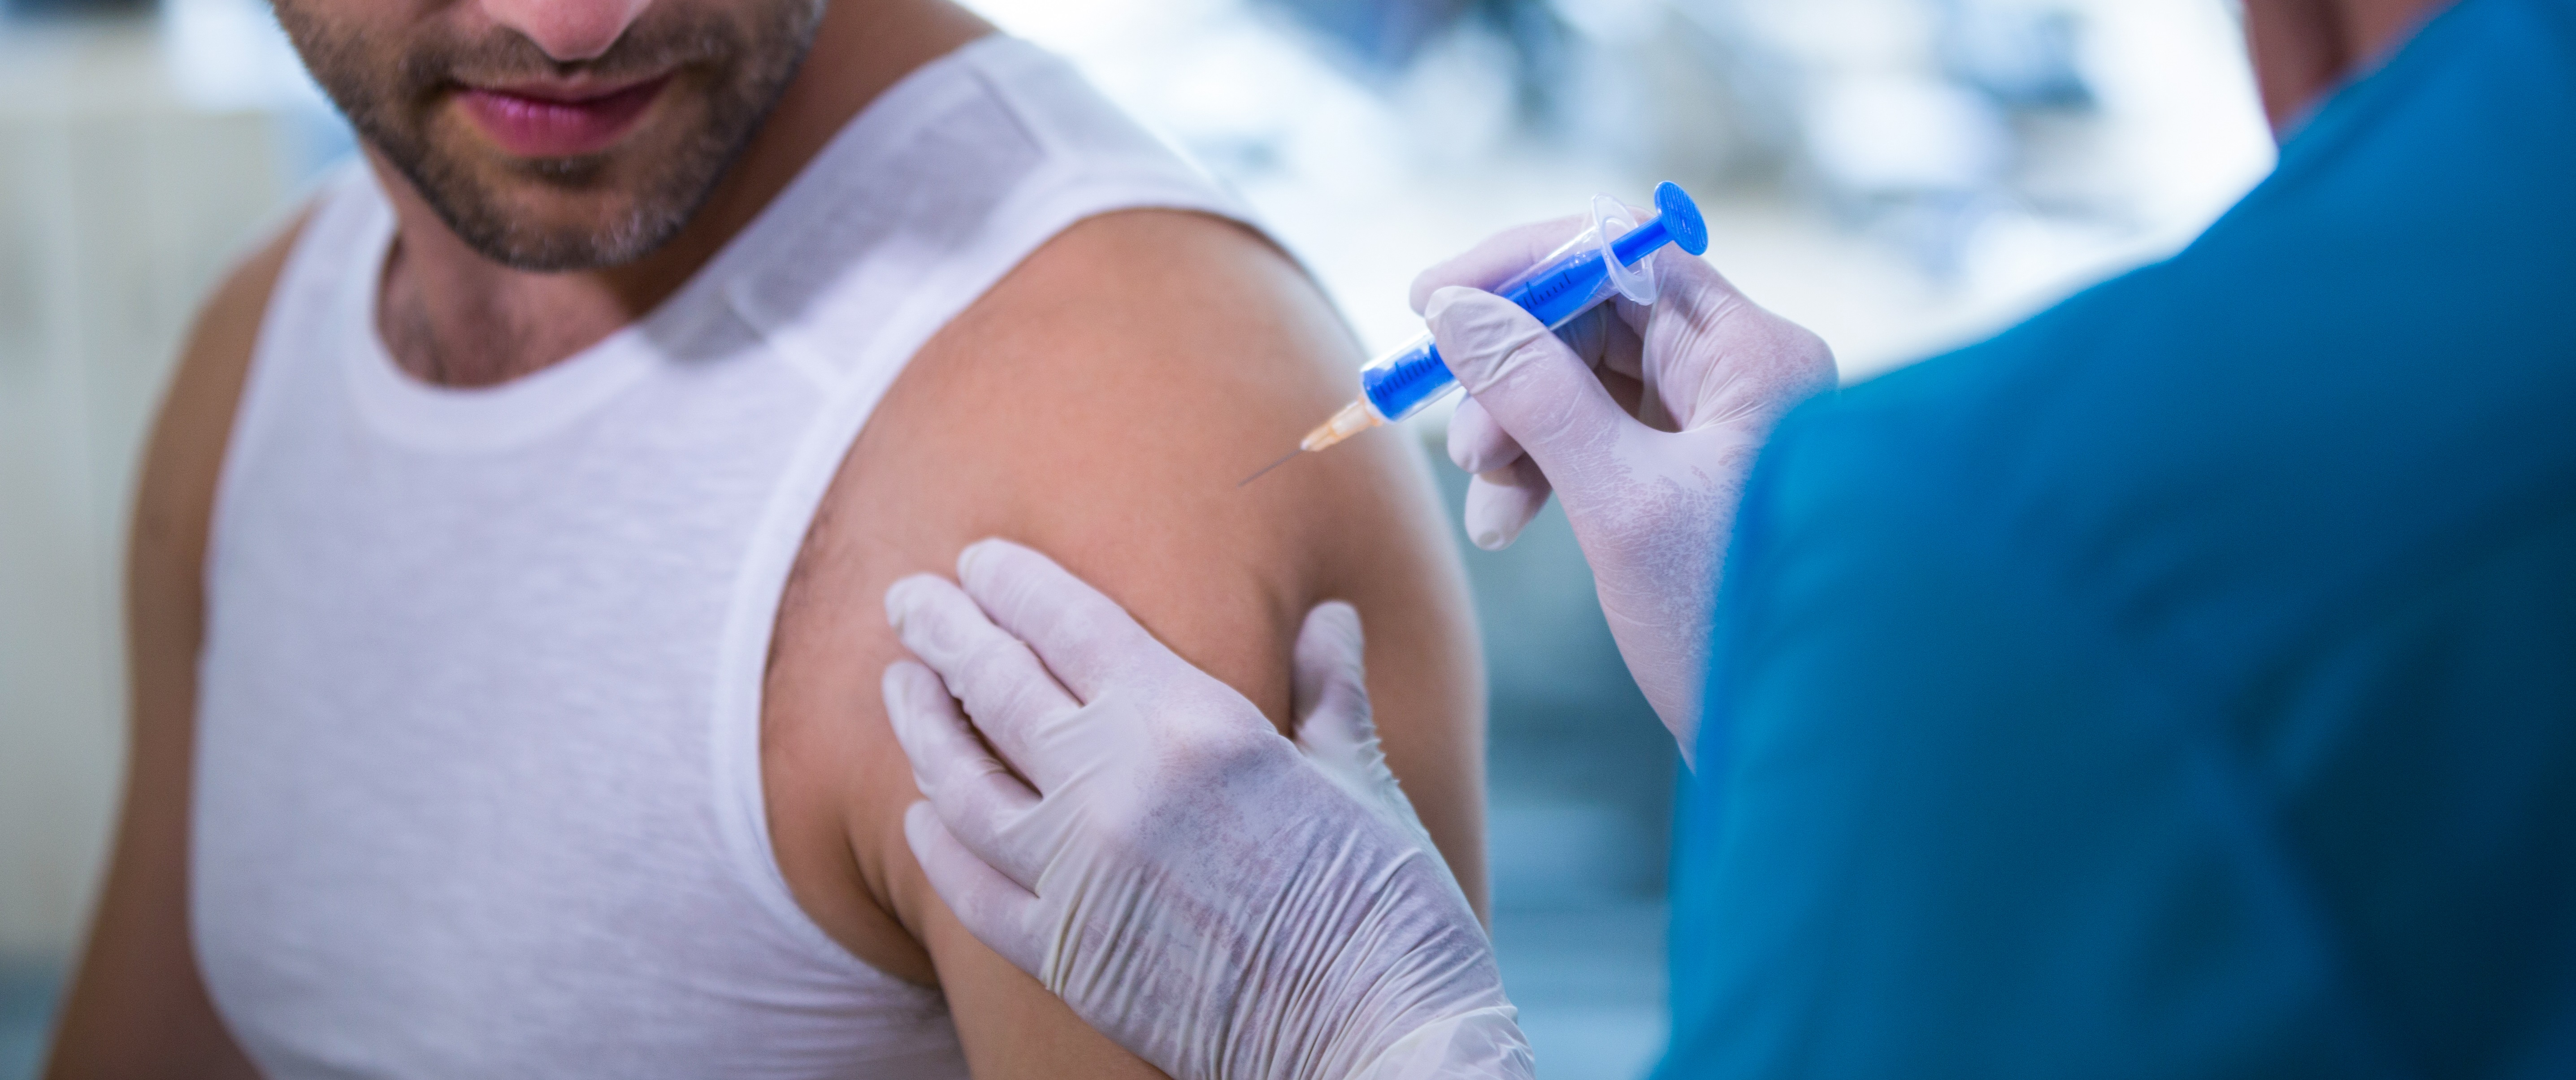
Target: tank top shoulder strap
332,263
969,165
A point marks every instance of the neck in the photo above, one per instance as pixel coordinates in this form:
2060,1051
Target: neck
454,318
2306,49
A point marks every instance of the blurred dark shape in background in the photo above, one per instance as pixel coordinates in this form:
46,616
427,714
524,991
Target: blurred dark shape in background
1380,36
2020,55
39,10
1550,60
1379,40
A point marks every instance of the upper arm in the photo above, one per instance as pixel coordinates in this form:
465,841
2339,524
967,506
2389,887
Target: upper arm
1110,426
137,1005
1107,425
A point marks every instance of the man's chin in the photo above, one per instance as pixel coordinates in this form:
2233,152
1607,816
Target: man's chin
545,220
562,242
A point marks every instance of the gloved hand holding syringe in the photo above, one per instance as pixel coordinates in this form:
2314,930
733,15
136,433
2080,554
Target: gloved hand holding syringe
1711,371
1610,258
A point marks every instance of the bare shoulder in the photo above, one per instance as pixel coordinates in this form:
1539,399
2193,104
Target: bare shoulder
1107,398
196,415
175,496
1100,403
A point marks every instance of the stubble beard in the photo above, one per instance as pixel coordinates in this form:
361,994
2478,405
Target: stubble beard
629,200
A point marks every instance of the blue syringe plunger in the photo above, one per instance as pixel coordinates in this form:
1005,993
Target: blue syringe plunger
1678,217
1570,281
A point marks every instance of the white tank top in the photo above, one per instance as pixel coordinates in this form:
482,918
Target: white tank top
478,785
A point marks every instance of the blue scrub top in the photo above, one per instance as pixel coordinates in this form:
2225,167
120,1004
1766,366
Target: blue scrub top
2183,683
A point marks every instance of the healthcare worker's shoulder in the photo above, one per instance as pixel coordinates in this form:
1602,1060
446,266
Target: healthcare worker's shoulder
1955,431
2216,622
2360,367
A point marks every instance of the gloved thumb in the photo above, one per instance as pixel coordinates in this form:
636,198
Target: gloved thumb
1334,728
1538,390
1330,688
1503,501
1508,489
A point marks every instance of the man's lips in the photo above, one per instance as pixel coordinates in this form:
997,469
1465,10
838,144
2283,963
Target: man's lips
537,123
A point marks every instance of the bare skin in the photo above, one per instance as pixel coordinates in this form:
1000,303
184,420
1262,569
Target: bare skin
2304,49
1215,333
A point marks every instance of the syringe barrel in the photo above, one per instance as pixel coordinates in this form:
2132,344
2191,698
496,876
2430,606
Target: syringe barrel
1400,383
1568,282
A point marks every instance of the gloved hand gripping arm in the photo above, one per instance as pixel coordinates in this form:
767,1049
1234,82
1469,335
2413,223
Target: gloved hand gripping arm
1644,420
1218,900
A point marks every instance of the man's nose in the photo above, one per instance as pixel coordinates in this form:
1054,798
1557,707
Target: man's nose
568,30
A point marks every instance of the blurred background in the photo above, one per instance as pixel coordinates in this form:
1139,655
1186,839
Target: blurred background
1900,175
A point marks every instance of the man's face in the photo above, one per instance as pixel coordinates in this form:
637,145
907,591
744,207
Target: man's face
591,156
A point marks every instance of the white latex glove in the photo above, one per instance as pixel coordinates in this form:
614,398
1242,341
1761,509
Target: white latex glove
1147,845
1644,420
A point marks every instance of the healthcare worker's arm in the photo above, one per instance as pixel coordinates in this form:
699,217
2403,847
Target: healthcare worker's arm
1149,847
137,1005
1643,420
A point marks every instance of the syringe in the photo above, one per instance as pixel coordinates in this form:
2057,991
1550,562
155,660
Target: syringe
1568,282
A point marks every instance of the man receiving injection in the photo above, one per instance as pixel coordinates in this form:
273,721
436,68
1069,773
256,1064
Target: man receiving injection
2174,685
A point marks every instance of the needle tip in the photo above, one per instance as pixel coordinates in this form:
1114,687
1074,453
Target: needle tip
1264,470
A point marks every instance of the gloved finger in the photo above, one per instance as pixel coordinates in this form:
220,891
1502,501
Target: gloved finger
1718,352
1502,502
1328,686
1334,725
1687,286
1479,445
975,794
1006,690
1476,443
1619,346
1595,335
1086,639
1497,258
1330,697
1535,387
994,908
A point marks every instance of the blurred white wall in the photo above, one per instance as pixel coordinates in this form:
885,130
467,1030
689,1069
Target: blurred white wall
122,197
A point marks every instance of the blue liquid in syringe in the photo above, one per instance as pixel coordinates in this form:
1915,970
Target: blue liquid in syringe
1401,385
